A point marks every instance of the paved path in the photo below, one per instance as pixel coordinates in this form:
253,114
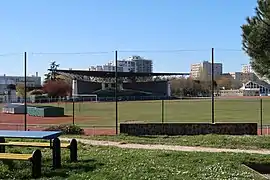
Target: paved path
166,147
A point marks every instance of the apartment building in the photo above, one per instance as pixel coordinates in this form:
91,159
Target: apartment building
204,68
131,64
31,81
142,65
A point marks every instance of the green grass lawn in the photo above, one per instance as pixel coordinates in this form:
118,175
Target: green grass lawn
233,110
219,141
111,163
103,113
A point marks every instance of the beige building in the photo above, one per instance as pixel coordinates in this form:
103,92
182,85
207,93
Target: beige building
205,68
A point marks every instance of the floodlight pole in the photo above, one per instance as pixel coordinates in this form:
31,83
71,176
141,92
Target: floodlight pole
115,93
25,91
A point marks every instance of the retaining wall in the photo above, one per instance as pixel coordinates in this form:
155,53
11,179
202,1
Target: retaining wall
139,129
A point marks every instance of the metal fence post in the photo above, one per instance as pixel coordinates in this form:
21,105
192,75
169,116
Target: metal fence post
213,88
162,111
73,111
25,91
261,115
115,93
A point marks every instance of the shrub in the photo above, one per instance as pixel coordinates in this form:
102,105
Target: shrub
57,88
39,98
36,92
11,86
67,129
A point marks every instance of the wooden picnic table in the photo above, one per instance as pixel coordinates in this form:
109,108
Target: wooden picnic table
52,136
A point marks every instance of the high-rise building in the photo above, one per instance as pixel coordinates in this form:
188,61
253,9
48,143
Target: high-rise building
197,70
142,65
131,64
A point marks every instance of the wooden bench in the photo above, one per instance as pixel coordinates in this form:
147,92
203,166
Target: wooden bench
72,146
32,144
34,158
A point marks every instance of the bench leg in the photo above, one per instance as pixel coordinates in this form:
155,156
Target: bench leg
56,150
36,164
73,150
2,148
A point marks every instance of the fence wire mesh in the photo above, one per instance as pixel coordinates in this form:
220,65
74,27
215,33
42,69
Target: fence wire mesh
158,99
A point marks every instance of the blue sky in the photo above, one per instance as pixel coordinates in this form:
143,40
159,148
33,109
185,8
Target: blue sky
47,29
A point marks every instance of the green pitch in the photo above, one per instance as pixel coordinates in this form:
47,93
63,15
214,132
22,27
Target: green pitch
230,110
103,113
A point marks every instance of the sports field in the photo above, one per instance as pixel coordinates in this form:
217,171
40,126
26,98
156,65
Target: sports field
103,113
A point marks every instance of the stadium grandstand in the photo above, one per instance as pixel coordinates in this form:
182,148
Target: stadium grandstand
130,85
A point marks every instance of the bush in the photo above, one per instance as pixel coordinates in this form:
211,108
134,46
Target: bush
39,98
57,88
36,92
67,129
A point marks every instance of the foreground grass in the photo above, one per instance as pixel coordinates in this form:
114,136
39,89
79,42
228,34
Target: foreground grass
219,141
115,163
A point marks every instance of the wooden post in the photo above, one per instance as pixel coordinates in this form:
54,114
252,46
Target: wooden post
73,150
2,147
36,163
56,153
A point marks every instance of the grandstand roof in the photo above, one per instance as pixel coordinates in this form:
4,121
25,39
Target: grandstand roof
104,74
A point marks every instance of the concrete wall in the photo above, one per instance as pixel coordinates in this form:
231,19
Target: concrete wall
85,87
139,129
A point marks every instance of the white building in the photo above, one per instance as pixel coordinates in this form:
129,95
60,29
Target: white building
262,87
205,68
31,81
246,68
141,64
131,64
122,66
7,95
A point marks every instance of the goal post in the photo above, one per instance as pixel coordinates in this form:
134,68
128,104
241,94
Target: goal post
85,97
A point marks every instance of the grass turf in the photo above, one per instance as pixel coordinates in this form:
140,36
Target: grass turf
218,141
115,163
226,110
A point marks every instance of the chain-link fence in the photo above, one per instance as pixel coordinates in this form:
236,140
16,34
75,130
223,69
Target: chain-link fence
230,95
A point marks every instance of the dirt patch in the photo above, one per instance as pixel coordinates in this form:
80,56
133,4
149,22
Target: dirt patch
168,147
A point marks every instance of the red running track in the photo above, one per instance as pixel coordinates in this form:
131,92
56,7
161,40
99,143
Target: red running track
88,131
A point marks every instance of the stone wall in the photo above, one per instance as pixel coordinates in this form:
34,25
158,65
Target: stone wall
139,129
